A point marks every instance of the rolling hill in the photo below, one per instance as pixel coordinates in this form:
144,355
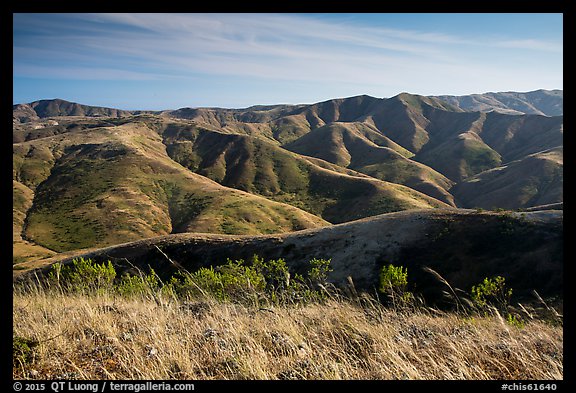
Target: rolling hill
464,246
361,147
261,167
109,185
24,113
538,177
538,102
86,177
452,143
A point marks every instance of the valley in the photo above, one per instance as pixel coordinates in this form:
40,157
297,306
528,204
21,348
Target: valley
217,198
163,208
86,177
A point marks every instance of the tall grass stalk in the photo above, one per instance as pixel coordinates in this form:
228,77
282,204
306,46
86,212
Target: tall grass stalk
106,336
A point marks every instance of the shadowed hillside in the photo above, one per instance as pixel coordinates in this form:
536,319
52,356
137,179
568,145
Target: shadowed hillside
531,181
258,166
361,147
464,246
52,108
87,176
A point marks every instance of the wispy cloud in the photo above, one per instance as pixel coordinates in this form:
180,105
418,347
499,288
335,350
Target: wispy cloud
279,47
532,44
84,73
264,45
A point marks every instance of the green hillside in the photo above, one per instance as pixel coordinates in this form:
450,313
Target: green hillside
87,176
257,166
532,181
122,186
360,147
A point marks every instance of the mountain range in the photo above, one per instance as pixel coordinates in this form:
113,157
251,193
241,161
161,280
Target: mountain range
86,177
538,102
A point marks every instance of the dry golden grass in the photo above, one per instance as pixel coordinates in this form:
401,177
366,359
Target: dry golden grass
105,337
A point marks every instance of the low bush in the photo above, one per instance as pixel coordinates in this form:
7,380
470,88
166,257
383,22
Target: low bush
394,284
138,285
492,296
492,292
23,351
83,275
255,281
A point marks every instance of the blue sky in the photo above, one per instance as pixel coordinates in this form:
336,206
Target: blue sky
169,61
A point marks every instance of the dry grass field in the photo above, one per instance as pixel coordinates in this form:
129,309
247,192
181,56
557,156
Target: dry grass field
74,336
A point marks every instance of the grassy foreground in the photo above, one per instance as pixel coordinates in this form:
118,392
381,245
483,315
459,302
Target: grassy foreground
105,336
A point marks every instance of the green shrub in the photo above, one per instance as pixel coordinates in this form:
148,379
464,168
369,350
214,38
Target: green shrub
513,320
239,280
55,273
84,275
319,269
182,286
393,278
233,281
492,292
204,282
275,273
255,282
141,285
394,283
23,351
